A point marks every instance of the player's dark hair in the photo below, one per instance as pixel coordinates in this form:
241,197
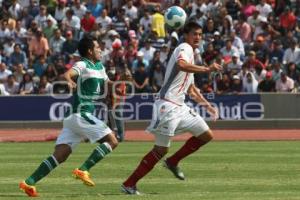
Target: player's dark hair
191,25
86,43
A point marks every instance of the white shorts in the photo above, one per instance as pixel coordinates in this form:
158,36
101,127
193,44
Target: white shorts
77,128
169,119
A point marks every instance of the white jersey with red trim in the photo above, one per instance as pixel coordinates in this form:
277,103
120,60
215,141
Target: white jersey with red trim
176,82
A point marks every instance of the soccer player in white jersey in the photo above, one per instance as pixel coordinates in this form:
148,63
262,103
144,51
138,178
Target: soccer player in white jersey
80,124
172,116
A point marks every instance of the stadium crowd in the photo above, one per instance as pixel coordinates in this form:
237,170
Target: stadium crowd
256,42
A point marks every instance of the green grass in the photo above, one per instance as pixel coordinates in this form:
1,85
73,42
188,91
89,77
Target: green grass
220,171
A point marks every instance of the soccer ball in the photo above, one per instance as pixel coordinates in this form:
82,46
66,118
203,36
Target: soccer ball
175,17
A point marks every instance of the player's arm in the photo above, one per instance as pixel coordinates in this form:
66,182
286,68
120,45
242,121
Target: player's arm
195,94
69,75
192,68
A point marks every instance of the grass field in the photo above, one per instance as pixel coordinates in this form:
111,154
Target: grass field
220,171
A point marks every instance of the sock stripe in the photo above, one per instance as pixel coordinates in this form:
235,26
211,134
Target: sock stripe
100,151
48,164
56,162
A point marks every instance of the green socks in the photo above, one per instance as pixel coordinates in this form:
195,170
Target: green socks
98,154
45,167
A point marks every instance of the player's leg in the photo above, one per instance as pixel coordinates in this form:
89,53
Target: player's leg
107,144
147,163
61,153
193,123
96,132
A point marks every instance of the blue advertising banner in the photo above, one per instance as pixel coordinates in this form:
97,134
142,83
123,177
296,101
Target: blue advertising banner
137,107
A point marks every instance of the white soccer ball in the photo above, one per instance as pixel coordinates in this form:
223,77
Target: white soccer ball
175,17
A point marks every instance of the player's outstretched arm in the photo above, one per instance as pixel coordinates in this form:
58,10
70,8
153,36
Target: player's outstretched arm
69,75
191,68
195,94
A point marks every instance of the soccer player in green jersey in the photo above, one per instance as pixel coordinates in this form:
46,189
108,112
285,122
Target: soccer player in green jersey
80,124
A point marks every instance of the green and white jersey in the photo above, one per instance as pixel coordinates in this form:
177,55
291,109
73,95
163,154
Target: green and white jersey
90,85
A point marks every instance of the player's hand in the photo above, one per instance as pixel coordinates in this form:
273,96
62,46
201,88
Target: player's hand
215,67
72,85
213,112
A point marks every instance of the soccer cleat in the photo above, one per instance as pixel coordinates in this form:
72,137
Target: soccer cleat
28,189
130,190
174,169
84,176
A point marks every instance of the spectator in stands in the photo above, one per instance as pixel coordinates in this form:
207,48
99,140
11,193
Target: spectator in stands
26,85
141,79
292,71
209,29
148,50
268,84
70,45
20,33
8,47
95,7
259,73
4,72
157,21
229,50
262,50
105,52
79,9
49,29
292,54
245,30
50,73
217,41
235,65
104,21
11,86
238,43
3,92
236,85
227,26
88,21
15,9
251,84
121,23
276,67
44,86
285,83
40,66
252,62
145,23
17,57
138,61
277,51
71,22
199,17
56,44
264,8
19,73
233,7
130,54
60,10
288,19
42,17
130,10
249,8
38,46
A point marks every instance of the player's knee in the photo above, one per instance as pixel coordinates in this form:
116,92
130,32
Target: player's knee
206,136
113,142
62,152
161,151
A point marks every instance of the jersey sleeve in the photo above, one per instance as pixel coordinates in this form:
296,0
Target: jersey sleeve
79,67
185,52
